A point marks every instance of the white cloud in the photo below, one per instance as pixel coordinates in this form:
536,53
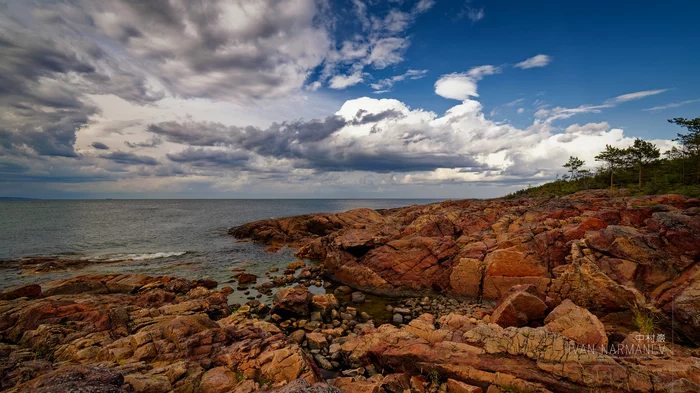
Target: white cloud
535,61
387,51
460,86
479,72
635,96
514,102
384,85
521,110
548,115
456,86
313,86
587,129
671,105
476,15
472,13
344,81
382,43
423,6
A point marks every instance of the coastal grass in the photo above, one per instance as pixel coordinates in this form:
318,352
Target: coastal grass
645,320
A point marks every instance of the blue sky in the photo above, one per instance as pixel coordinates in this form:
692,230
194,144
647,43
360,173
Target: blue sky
600,49
337,99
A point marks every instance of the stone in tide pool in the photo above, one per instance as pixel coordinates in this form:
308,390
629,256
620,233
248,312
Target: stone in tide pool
292,301
358,297
247,278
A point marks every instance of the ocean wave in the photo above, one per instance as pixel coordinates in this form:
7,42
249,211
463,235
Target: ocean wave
138,257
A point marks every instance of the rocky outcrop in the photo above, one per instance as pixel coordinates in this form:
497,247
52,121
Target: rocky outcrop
136,333
604,251
300,230
491,358
118,333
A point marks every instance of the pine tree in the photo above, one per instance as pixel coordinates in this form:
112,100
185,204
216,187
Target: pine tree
642,153
614,157
573,165
691,140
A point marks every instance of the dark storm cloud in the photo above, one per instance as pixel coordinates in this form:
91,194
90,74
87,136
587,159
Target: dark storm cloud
153,142
99,145
125,158
362,117
44,133
27,67
196,133
382,161
309,144
211,158
281,140
44,75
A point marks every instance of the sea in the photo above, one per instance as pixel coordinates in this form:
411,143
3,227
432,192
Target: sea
183,238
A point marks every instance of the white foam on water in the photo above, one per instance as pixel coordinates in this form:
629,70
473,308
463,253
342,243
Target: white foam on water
139,257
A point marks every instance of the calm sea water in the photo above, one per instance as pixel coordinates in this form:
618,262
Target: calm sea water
185,238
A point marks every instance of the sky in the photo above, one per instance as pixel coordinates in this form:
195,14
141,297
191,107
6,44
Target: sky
332,99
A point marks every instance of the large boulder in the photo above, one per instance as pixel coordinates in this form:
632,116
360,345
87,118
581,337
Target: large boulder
578,324
293,301
520,305
324,303
218,380
466,276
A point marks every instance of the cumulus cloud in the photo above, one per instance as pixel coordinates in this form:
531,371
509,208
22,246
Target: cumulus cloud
460,86
81,76
535,61
456,86
384,136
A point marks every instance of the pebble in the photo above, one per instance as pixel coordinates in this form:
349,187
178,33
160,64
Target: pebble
358,297
398,318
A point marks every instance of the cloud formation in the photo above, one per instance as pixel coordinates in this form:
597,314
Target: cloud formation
635,96
381,43
461,86
98,95
126,158
387,137
384,85
671,105
535,61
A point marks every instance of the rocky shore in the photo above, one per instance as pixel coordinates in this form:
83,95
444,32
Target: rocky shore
591,292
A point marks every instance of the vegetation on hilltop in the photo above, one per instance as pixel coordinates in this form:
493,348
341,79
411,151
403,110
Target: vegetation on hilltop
641,168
